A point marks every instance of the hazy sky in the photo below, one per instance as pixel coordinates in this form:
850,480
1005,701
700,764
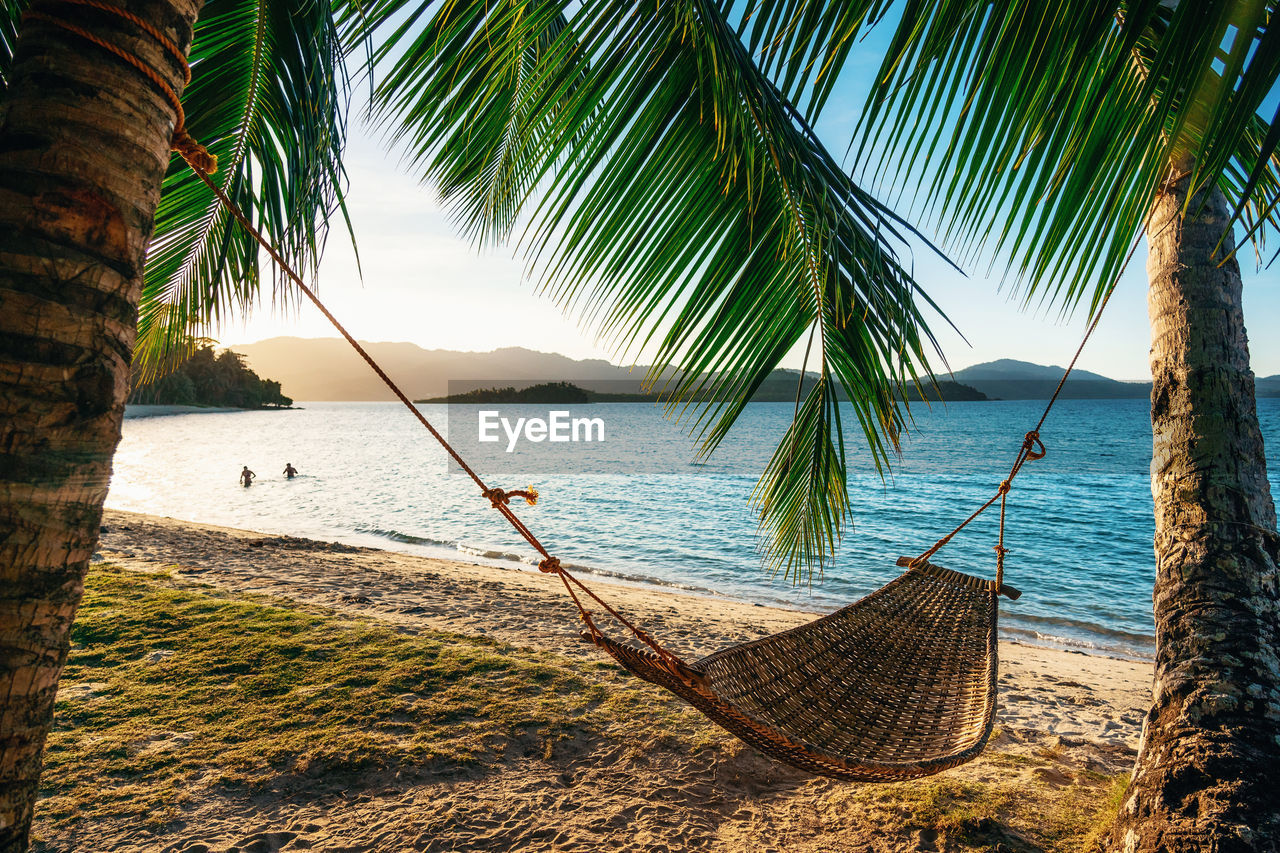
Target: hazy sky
423,283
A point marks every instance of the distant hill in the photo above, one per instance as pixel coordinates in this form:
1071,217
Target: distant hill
328,369
949,392
1008,379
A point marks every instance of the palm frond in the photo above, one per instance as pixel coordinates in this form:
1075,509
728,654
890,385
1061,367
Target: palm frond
1061,121
668,193
268,97
10,21
803,495
803,45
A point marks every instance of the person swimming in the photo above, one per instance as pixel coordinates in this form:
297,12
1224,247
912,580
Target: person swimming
246,477
290,471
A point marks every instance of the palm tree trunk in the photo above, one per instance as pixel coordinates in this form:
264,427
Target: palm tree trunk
84,144
1207,771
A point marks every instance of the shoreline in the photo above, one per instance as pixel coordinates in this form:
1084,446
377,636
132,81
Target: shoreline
1013,628
133,411
1064,693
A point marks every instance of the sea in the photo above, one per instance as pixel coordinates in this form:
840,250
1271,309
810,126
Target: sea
638,503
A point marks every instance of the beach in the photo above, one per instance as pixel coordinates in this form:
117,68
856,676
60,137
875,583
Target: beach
150,410
1067,729
1064,693
635,508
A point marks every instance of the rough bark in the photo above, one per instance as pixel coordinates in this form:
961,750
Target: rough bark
84,144
1208,771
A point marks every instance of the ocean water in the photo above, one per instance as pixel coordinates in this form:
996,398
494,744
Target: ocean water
641,506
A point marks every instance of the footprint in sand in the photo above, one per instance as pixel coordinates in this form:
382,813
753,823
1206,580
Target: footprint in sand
1052,776
263,842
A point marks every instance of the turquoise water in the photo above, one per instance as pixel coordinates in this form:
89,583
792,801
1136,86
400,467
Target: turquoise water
640,506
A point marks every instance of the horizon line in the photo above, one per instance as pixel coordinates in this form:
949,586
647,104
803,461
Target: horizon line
336,338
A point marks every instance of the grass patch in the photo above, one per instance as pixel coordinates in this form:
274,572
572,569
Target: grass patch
960,809
1010,759
172,686
1014,815
1112,798
950,803
177,694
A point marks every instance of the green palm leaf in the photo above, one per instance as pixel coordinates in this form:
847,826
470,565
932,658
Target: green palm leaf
1062,121
10,20
804,44
267,96
665,190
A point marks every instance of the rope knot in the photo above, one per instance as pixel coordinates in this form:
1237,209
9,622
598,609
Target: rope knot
550,565
1033,446
498,497
196,155
1005,486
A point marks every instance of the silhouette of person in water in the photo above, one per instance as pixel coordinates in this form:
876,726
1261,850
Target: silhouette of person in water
290,471
246,477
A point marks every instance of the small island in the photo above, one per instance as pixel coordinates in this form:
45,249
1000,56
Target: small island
543,393
220,380
566,393
946,391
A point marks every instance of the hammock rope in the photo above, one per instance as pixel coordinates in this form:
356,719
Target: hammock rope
892,704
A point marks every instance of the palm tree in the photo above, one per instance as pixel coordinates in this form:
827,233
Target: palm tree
660,167
86,176
1070,130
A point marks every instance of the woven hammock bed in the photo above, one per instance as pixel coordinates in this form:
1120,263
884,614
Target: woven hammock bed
898,685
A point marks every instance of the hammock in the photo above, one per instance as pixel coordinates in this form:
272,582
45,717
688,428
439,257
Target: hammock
898,685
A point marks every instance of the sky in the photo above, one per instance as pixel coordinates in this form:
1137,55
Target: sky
420,281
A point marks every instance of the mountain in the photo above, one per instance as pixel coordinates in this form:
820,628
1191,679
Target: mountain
1008,379
328,369
1268,386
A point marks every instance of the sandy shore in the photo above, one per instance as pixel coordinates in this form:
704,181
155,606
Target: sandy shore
1082,711
139,410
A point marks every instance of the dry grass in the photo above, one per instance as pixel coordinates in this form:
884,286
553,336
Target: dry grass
172,687
1111,799
178,696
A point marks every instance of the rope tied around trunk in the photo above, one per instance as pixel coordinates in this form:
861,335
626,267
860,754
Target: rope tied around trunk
195,154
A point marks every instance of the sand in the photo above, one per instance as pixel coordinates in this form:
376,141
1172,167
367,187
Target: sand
147,410
1084,711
